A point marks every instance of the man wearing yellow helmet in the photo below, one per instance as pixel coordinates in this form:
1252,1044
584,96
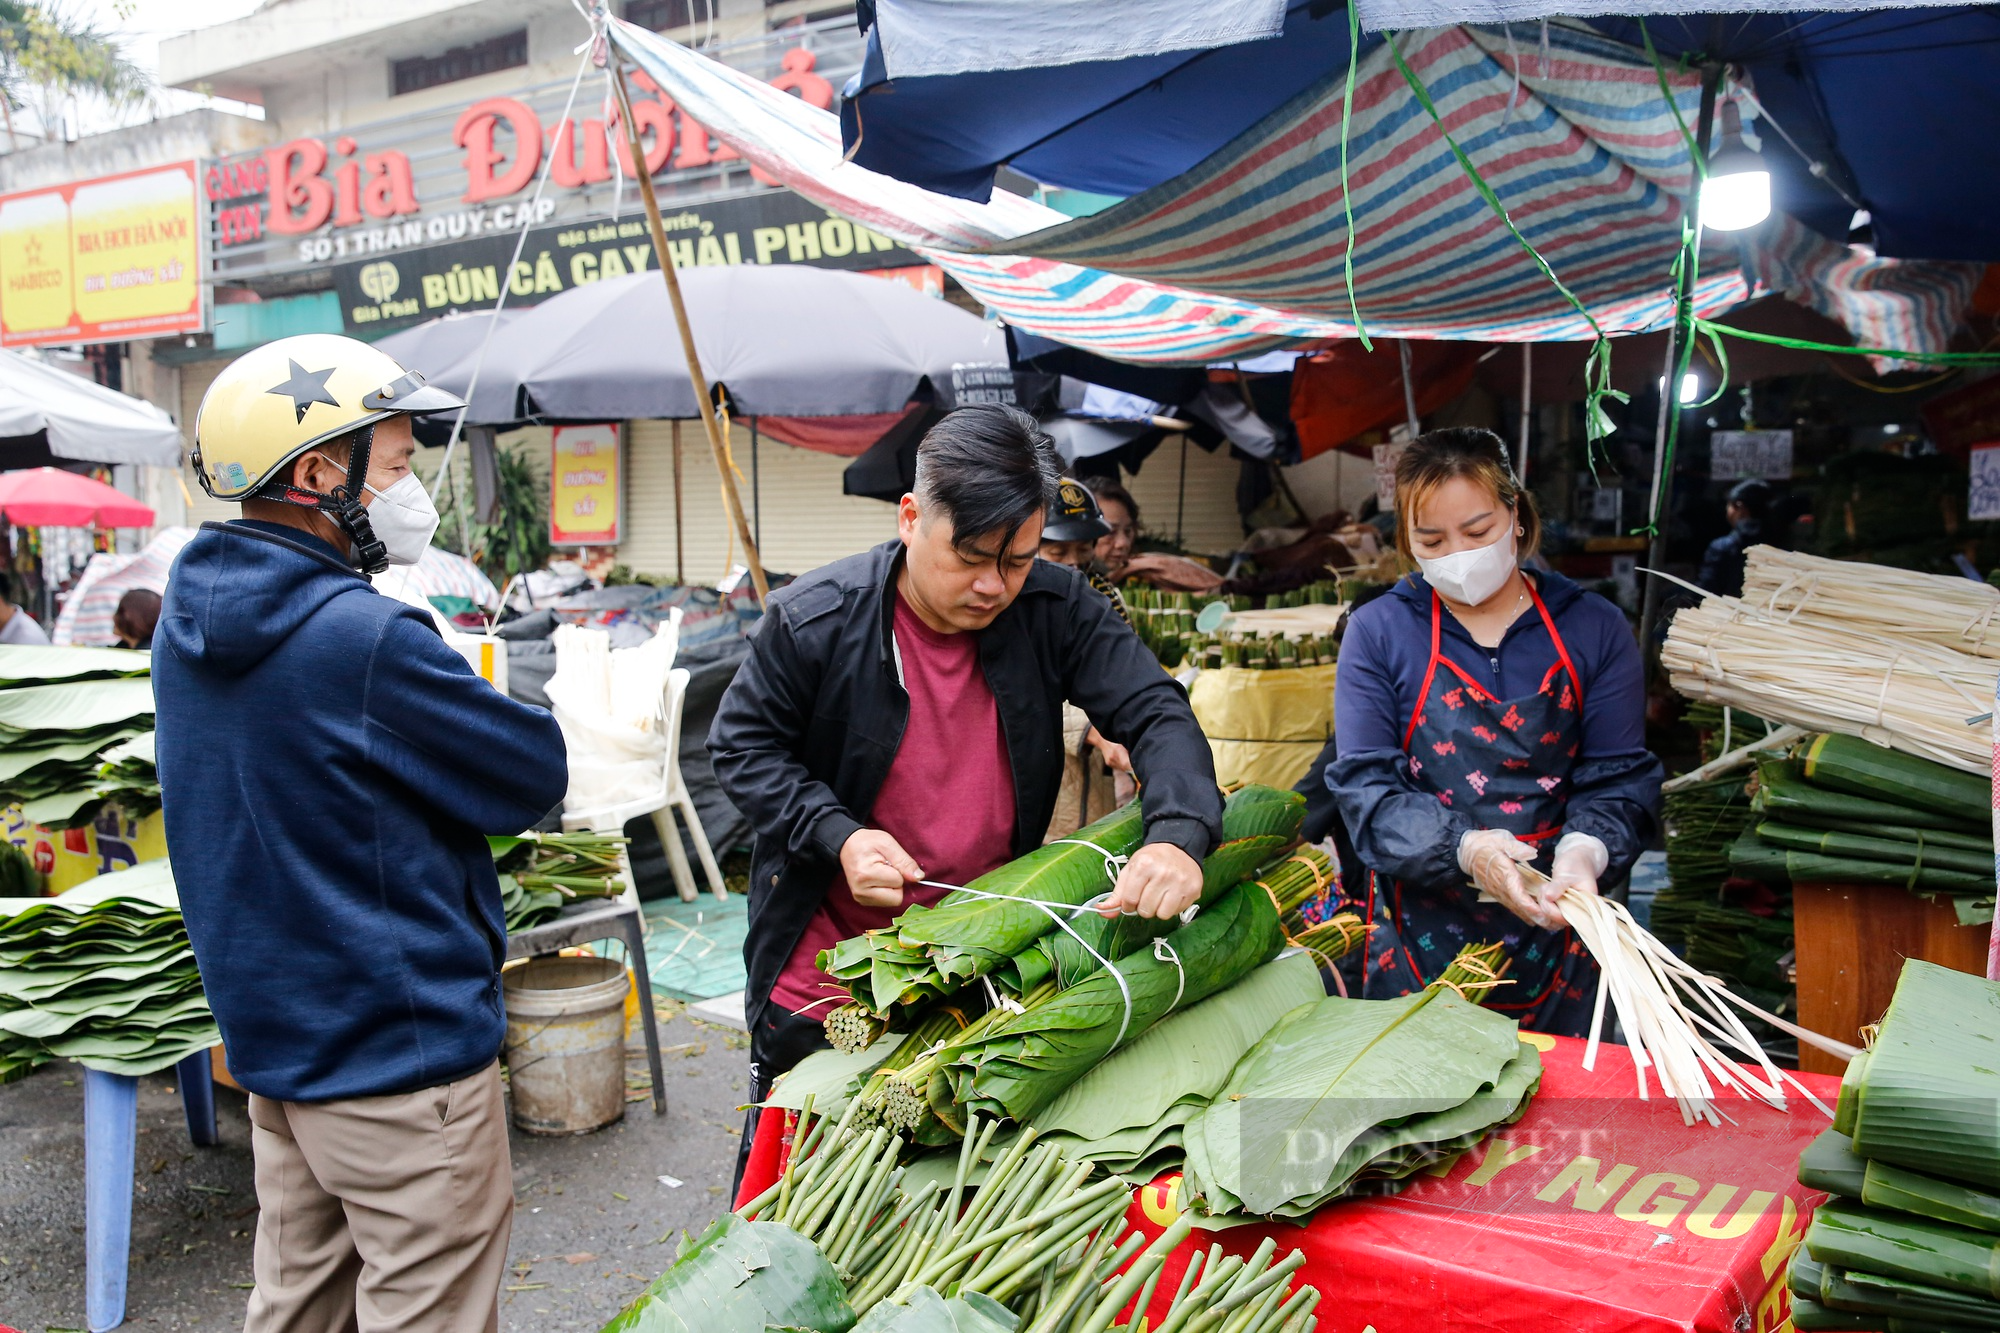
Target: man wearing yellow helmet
328,768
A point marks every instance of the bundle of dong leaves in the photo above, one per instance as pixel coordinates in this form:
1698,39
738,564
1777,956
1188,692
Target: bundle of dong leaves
103,975
1345,1095
540,872
60,710
1842,810
895,973
1911,1238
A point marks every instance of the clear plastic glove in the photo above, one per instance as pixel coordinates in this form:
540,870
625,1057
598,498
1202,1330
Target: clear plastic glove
1493,857
1579,860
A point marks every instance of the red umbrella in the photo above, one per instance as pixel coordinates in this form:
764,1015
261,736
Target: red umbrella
47,497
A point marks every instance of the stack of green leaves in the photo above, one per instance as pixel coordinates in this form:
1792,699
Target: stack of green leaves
1914,1162
1702,822
1345,1091
540,872
1843,810
60,708
1128,1114
102,974
128,776
1020,1065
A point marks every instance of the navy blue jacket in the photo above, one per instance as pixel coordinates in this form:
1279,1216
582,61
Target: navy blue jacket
1399,827
328,767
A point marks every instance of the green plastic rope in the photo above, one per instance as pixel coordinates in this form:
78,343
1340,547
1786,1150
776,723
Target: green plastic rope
1686,274
1597,367
1346,196
1720,331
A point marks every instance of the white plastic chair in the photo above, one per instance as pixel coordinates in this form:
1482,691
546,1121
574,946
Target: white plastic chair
671,799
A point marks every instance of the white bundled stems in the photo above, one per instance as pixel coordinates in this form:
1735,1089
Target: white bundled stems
1904,660
1951,612
1036,1234
1678,1022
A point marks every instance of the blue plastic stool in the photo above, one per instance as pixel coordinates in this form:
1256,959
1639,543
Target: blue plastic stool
110,1142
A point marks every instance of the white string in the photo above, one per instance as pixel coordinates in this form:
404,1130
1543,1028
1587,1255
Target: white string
1164,952
1055,911
1112,864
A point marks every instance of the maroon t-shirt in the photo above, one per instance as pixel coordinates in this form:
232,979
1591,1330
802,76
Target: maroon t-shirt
948,799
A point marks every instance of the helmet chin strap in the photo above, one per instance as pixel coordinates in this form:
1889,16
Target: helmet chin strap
343,505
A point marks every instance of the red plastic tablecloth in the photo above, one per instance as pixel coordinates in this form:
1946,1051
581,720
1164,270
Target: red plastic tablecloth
1595,1211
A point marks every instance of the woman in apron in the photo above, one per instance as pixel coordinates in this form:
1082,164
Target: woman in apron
1487,717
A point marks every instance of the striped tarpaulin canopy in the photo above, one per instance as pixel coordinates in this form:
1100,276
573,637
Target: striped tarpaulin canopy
87,613
1245,251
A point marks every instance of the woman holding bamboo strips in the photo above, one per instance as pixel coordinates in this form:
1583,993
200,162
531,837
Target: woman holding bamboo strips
1487,717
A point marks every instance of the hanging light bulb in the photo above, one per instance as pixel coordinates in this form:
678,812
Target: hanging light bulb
1737,192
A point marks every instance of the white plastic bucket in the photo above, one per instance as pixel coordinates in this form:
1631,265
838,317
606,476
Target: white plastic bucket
565,1048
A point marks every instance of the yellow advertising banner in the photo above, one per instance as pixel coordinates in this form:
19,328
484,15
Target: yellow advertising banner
586,486
101,260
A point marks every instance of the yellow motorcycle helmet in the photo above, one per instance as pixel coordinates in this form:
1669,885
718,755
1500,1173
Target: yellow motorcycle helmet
272,404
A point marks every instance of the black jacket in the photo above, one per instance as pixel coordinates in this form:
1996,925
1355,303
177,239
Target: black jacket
804,738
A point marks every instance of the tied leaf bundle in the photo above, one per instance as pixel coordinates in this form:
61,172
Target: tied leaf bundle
540,872
102,974
932,951
1019,1066
1325,1099
1257,823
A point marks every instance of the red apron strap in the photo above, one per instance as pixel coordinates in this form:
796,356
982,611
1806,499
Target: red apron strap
1430,672
1562,649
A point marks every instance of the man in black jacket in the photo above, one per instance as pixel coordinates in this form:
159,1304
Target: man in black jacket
899,719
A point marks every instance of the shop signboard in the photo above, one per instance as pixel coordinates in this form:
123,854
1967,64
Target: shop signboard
468,171
586,486
1983,499
404,287
1747,455
102,260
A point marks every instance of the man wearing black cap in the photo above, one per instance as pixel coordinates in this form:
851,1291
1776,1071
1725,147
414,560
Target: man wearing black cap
1722,562
1069,537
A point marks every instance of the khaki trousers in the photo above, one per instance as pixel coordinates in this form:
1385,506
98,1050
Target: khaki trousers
382,1214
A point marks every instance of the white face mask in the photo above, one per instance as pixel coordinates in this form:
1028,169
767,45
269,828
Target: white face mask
404,519
1470,577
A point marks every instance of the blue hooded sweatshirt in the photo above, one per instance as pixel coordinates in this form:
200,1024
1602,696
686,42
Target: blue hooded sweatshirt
328,767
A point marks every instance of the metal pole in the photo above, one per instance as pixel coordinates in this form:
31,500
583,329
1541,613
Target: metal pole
665,258
1180,504
1409,390
680,518
1527,398
1670,392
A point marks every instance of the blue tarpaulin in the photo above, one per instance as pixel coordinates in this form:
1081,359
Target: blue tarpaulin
1898,107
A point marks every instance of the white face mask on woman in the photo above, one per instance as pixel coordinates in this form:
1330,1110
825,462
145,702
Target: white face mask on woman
1470,577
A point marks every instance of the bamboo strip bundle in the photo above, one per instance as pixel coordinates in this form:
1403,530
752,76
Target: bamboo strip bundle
1904,693
1669,1013
1811,590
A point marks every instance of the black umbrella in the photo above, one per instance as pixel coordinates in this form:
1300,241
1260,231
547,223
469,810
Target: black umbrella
788,340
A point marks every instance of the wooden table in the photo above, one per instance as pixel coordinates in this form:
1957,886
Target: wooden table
1852,940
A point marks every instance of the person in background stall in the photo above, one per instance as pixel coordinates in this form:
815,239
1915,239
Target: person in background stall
1072,534
897,727
1486,718
1722,563
17,626
138,612
1120,513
